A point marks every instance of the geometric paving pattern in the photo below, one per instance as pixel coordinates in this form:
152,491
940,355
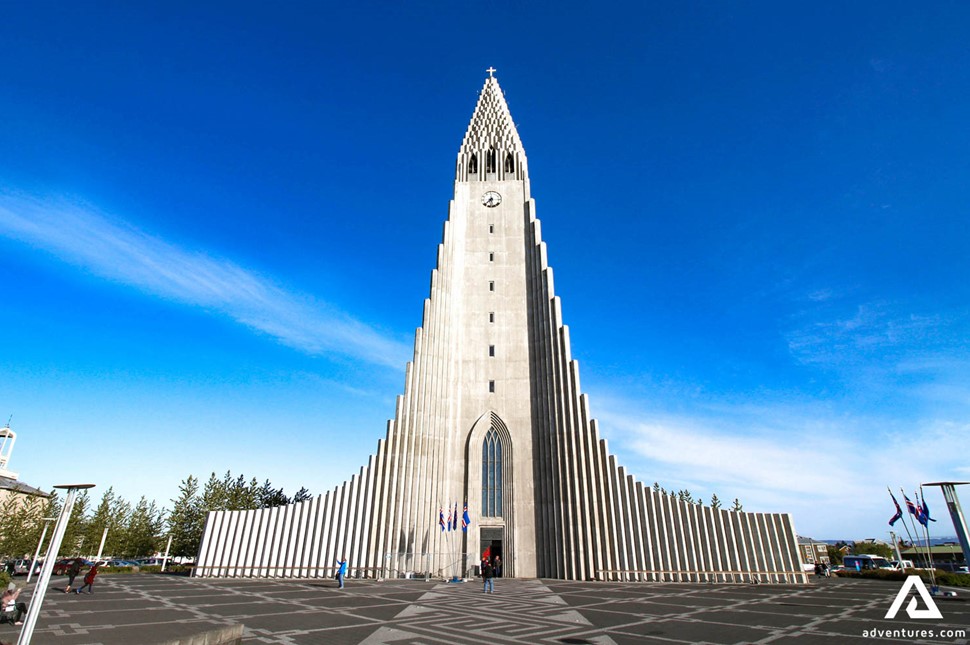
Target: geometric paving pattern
148,609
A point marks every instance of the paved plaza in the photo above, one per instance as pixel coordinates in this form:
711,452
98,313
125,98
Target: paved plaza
145,609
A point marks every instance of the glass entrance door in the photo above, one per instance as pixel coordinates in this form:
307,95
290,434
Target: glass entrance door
492,547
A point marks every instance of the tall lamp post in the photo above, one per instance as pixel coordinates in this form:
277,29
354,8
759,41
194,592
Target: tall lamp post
33,563
40,589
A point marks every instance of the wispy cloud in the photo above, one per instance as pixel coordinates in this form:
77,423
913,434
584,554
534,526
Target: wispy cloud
872,327
828,468
105,246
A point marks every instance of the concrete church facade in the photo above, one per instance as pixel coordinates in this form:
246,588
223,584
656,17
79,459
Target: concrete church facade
492,415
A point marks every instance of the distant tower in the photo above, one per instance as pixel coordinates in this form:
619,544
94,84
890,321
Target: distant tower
492,415
7,439
9,484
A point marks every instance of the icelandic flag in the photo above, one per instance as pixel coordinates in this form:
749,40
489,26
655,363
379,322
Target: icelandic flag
449,519
441,518
899,512
926,511
456,516
914,510
464,518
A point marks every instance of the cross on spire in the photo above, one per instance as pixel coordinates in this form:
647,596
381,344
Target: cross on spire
491,72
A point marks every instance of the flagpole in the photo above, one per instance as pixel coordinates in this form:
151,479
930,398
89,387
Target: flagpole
928,555
902,517
929,563
926,531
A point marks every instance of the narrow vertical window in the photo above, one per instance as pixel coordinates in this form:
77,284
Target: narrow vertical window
491,386
473,165
491,316
490,160
491,257
491,285
491,350
491,475
491,228
509,163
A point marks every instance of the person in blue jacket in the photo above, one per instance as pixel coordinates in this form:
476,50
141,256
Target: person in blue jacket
341,572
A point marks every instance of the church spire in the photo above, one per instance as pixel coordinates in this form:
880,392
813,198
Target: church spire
491,149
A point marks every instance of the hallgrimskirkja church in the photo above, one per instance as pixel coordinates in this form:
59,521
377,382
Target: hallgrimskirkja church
492,416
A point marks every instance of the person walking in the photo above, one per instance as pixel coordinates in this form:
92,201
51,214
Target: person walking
487,576
89,579
73,572
341,572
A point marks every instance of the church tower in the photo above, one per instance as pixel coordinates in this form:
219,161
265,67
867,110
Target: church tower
492,416
466,417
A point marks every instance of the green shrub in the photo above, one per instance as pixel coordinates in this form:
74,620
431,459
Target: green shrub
942,577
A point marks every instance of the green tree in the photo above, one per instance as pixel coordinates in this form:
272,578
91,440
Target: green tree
835,554
74,539
187,519
240,495
215,494
144,531
111,514
269,496
20,522
737,508
301,495
715,501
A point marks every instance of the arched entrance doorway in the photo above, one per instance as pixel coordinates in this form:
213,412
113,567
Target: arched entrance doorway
488,481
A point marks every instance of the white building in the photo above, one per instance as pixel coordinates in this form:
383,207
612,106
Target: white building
492,414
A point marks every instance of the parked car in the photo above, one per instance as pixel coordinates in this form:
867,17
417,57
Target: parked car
21,566
950,567
150,562
121,563
865,562
61,566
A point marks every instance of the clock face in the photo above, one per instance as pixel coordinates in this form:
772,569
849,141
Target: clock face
491,199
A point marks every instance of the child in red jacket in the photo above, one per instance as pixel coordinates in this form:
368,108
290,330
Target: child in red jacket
89,579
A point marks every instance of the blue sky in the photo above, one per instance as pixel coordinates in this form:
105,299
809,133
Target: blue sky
218,222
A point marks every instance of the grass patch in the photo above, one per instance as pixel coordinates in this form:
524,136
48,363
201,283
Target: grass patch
174,569
943,578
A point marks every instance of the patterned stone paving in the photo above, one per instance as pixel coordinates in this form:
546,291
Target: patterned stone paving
146,609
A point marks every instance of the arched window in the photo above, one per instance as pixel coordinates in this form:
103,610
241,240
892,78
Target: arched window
509,163
491,475
473,165
490,160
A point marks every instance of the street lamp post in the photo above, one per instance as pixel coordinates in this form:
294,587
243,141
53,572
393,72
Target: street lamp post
43,534
40,589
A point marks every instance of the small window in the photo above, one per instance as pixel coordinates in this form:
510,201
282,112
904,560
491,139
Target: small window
490,160
491,350
491,257
473,165
491,386
491,286
491,228
509,163
491,316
